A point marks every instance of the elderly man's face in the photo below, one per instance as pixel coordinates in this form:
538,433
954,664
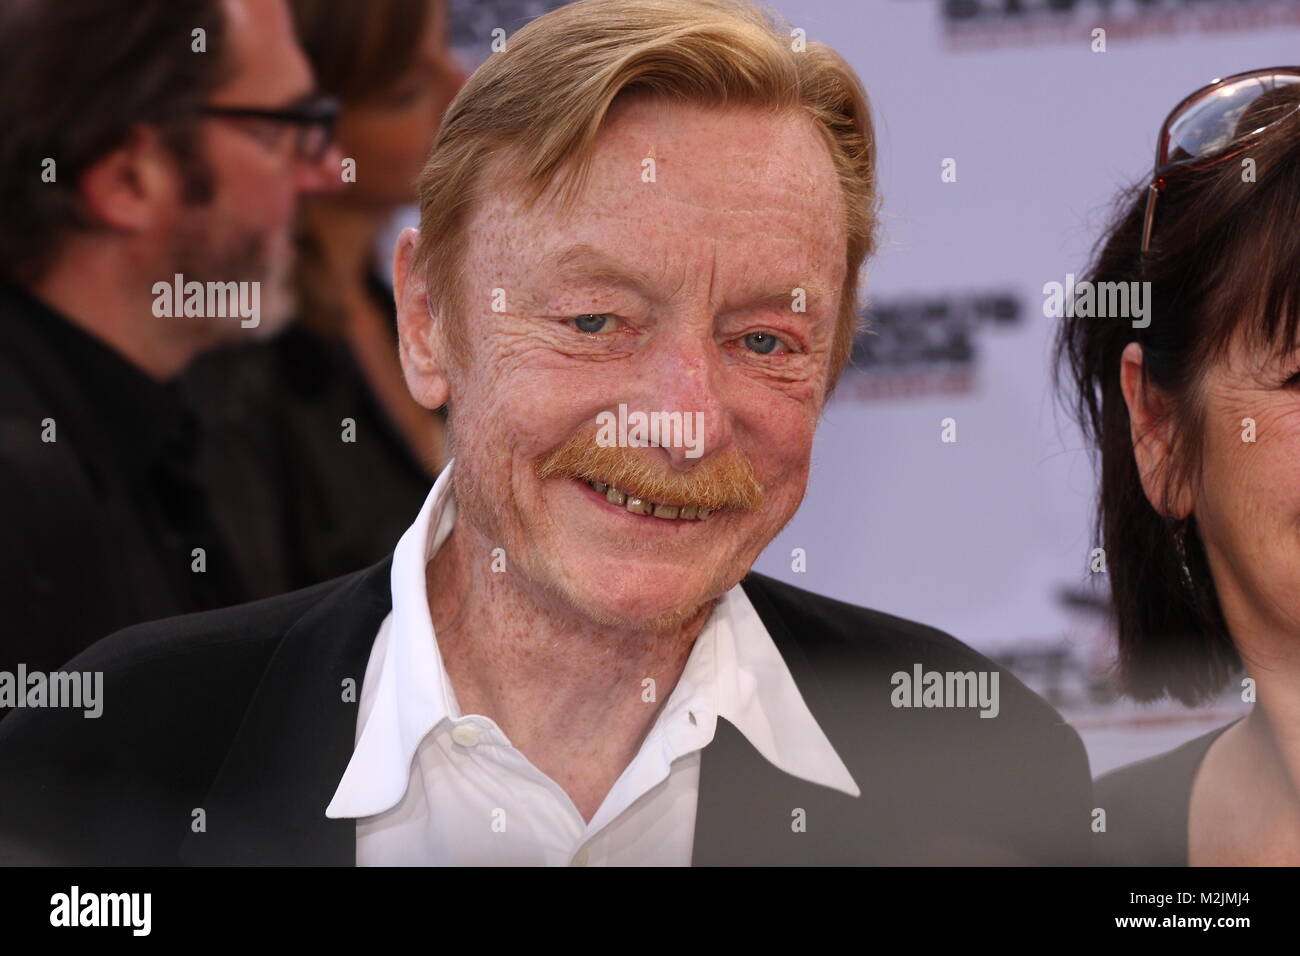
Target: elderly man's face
671,295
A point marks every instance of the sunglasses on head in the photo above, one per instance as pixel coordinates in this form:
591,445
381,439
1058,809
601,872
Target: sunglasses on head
1219,121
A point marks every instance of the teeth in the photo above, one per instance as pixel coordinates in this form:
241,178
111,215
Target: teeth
639,506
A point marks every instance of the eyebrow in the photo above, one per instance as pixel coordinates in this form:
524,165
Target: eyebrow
286,103
588,261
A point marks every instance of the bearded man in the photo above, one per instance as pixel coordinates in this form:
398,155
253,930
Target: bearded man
179,164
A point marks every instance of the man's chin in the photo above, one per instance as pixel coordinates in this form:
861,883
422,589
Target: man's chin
279,309
651,606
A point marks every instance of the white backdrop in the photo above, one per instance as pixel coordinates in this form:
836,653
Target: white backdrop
978,537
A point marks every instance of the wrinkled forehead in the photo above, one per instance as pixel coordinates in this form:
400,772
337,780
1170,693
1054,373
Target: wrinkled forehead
758,187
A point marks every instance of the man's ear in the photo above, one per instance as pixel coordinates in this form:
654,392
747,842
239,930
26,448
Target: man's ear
1151,430
421,344
136,187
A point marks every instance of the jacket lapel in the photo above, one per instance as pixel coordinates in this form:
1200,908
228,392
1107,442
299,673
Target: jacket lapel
748,808
267,803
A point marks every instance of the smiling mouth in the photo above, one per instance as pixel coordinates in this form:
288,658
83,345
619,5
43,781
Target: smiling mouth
639,506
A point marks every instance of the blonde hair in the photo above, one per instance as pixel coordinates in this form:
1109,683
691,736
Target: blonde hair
546,95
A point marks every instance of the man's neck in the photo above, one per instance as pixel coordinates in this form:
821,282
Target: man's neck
571,695
105,297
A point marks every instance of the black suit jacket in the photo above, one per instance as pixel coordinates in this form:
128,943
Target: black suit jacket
1147,806
241,714
98,525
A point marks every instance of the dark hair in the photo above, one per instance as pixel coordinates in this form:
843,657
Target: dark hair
1224,260
359,49
76,77
356,50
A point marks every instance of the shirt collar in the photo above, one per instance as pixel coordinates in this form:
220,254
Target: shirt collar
757,693
734,671
412,694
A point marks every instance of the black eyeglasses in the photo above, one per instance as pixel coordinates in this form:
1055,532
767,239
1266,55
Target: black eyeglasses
1218,122
314,120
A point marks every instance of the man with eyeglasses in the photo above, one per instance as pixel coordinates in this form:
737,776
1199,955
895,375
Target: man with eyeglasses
142,142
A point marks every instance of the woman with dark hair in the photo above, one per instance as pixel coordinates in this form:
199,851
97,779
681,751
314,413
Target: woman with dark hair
1195,414
388,63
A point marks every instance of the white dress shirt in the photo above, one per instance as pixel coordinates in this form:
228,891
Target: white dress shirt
429,785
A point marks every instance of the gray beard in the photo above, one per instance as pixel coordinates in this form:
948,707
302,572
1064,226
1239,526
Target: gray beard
250,258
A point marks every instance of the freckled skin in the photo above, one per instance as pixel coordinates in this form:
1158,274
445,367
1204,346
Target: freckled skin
707,232
555,649
1245,802
1246,498
1249,507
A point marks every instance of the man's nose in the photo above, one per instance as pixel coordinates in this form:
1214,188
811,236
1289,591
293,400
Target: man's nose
324,175
687,375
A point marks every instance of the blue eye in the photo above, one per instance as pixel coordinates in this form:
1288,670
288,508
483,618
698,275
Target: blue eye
591,323
761,342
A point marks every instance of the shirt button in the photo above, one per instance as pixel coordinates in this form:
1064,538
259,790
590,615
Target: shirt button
579,858
465,735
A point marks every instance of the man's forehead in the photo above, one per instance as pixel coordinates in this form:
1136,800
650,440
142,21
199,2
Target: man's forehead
639,120
266,65
736,161
646,197
652,155
628,266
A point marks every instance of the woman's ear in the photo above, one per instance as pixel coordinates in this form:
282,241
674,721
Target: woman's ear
1151,429
420,339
